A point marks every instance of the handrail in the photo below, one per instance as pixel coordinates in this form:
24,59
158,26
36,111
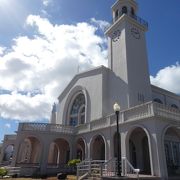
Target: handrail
125,162
83,166
88,167
112,163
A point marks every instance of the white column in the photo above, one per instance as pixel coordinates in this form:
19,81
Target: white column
88,154
110,144
158,156
16,149
124,150
44,157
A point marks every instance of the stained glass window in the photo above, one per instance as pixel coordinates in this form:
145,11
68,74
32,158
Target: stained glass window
77,112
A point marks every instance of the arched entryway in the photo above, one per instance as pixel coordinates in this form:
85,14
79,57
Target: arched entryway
80,149
54,153
29,151
98,148
115,143
59,152
139,155
8,153
172,150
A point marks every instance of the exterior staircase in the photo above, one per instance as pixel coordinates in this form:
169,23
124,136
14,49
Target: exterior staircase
106,170
95,173
89,169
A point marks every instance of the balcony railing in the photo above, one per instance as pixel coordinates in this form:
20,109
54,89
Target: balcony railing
44,127
135,17
140,20
143,111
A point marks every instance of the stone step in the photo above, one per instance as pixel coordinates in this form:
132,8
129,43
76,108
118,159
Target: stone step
132,178
93,178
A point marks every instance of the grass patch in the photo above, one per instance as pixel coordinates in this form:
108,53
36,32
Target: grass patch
50,178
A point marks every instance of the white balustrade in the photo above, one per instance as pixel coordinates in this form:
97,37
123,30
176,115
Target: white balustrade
60,128
100,123
142,111
166,112
139,112
42,127
83,128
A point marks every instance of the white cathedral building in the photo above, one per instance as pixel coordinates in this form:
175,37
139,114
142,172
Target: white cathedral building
83,124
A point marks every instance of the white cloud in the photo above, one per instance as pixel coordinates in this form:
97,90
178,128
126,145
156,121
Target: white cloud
37,69
102,24
24,107
168,78
2,49
46,2
7,125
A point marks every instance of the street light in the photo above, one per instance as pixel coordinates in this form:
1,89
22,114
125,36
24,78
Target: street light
116,108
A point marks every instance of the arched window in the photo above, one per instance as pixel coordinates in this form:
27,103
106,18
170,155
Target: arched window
124,10
158,100
174,106
77,110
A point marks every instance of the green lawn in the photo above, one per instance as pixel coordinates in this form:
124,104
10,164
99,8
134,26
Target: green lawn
69,177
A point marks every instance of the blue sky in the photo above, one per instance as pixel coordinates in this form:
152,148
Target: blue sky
39,56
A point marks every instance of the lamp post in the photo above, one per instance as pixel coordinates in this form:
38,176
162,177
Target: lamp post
116,108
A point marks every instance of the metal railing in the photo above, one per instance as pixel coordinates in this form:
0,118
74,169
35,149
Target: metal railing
102,168
127,168
89,168
109,168
140,20
135,17
83,169
13,171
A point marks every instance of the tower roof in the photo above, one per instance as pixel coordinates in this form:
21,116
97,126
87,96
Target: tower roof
132,2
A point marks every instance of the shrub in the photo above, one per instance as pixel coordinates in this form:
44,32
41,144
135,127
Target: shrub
3,171
73,162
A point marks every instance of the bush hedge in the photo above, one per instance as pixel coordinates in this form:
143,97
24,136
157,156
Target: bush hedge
73,162
3,171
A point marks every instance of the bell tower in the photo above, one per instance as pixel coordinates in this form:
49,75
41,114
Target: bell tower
127,56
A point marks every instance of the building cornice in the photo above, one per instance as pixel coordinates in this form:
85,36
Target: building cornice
88,73
165,92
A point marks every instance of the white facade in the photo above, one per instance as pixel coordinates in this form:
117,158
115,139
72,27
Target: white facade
83,124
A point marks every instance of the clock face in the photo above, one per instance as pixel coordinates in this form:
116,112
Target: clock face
135,33
116,35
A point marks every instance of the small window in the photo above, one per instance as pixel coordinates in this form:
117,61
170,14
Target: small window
158,101
124,10
116,14
132,11
174,106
